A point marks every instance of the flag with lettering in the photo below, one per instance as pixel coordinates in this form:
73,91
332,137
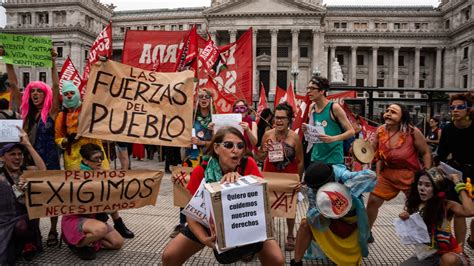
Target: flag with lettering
280,96
188,53
102,46
69,73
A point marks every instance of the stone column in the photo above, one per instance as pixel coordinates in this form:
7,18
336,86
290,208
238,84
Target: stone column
273,61
439,52
316,50
213,35
449,64
294,48
396,50
324,64
50,19
254,48
374,65
416,78
233,35
331,61
457,60
470,73
353,65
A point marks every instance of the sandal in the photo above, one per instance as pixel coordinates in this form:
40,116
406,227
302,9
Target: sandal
52,239
290,243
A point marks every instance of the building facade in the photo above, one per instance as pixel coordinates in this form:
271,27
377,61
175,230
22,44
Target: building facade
389,46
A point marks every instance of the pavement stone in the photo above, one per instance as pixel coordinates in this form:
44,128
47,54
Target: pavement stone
153,224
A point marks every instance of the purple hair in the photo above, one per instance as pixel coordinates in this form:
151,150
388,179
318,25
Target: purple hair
48,99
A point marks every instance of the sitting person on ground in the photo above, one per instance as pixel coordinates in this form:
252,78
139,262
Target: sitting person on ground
83,233
19,235
226,163
336,222
428,198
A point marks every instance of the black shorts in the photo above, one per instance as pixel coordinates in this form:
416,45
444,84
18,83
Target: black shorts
229,256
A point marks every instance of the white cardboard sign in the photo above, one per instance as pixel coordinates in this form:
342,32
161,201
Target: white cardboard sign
196,208
8,130
312,134
225,120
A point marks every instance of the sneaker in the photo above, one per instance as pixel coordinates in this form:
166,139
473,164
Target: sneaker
371,238
470,242
29,251
122,229
84,253
177,230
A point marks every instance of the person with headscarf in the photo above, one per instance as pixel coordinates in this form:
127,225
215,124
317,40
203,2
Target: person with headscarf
39,107
66,138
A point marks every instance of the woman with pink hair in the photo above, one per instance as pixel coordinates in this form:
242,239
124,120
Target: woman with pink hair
39,107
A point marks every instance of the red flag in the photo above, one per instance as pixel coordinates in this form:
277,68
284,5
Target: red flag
188,53
262,102
211,59
102,46
301,115
280,96
290,97
69,72
368,132
339,97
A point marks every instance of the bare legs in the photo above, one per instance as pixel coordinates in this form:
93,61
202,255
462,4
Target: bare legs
373,206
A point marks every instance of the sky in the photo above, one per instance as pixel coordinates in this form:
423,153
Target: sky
147,4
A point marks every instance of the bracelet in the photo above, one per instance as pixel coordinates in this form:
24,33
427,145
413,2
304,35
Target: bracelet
460,187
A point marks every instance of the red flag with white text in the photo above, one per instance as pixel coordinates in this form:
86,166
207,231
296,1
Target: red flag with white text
102,46
368,132
70,73
301,115
188,53
280,96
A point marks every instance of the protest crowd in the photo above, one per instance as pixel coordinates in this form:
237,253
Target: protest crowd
224,156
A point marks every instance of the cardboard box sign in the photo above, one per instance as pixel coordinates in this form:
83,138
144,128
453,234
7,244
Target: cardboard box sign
180,178
282,195
238,212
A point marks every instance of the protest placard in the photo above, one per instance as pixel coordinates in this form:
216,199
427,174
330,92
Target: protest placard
227,120
55,193
9,131
238,212
26,50
128,104
282,193
180,178
196,208
312,135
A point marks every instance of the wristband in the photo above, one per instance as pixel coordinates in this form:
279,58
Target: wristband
460,187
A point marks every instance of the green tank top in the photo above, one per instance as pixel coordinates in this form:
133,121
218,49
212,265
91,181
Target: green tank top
330,153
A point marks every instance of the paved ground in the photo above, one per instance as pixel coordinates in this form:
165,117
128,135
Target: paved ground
152,226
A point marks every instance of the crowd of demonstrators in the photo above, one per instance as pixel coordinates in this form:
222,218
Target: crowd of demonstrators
85,234
455,148
39,108
398,145
434,134
330,116
226,163
287,142
428,198
20,235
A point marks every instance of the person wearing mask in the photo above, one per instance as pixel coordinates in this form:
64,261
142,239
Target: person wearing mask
225,164
16,229
289,143
397,145
457,143
83,233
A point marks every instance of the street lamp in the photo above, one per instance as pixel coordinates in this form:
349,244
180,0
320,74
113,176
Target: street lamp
294,72
316,72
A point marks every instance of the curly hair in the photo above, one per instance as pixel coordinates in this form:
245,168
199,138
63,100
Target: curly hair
288,109
322,83
468,98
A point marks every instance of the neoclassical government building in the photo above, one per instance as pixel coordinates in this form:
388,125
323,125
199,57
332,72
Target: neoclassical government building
380,46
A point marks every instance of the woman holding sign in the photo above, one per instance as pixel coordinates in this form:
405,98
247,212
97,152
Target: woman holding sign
39,107
248,125
84,234
226,164
282,151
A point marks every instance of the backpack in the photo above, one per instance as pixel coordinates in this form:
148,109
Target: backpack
347,143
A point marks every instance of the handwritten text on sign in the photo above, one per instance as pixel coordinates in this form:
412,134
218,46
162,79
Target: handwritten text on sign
282,193
26,50
55,193
124,103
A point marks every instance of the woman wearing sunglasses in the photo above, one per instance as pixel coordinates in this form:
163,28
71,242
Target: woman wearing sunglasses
248,125
226,163
83,233
457,140
282,151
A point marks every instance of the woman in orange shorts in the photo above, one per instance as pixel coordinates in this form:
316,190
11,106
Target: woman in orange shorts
397,146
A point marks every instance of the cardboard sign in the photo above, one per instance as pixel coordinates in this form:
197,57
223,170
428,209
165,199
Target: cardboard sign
26,50
282,193
55,193
196,208
275,152
312,135
227,120
238,212
180,178
9,131
128,104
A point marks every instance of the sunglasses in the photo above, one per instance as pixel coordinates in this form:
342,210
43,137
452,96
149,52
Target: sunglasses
97,160
204,96
457,107
230,145
240,109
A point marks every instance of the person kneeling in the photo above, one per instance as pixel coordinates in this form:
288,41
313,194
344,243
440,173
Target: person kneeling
336,218
226,164
84,234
